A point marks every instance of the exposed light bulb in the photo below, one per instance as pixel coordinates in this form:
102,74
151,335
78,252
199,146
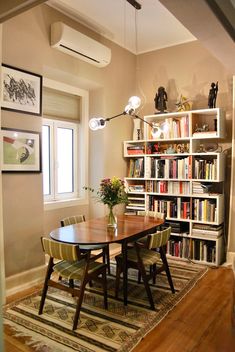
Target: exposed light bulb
129,110
96,123
156,130
134,102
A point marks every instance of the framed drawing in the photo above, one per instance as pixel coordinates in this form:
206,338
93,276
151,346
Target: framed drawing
21,150
21,91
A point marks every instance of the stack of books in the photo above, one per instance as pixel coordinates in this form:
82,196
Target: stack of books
209,231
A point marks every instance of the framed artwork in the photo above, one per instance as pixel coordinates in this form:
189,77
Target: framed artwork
21,91
21,150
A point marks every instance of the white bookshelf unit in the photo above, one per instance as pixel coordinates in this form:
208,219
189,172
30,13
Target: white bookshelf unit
181,173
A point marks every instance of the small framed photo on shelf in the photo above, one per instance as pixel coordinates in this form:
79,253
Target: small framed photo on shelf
21,91
21,150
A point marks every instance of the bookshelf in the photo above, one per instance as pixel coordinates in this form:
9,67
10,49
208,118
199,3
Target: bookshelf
181,173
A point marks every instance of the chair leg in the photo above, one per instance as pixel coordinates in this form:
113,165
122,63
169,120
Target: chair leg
108,258
164,260
139,277
146,284
79,304
45,286
104,280
118,273
154,272
71,283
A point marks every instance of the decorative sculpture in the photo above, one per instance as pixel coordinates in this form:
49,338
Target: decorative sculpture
160,100
183,104
213,95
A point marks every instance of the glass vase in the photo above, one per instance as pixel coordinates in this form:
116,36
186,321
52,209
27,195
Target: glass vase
112,220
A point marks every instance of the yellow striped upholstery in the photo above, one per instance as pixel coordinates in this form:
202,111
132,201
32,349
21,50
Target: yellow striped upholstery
71,220
155,214
148,257
75,270
158,239
60,250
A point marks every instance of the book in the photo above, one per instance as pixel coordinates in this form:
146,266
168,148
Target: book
205,134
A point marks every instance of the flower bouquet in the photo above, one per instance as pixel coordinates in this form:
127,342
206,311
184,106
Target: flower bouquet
111,192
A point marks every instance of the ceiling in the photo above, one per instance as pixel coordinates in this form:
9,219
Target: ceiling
150,28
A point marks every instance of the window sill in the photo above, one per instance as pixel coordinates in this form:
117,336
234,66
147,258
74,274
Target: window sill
64,203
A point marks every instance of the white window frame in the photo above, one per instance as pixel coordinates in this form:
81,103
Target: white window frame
81,198
54,125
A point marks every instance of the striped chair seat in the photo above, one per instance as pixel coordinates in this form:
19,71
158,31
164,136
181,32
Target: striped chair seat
148,257
76,219
74,264
75,270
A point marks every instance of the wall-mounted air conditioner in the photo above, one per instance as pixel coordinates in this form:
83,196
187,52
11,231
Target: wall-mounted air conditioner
79,45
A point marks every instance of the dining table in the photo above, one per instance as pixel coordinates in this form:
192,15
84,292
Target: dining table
96,231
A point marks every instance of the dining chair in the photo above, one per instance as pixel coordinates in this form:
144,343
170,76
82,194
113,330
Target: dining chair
139,257
143,240
75,219
73,265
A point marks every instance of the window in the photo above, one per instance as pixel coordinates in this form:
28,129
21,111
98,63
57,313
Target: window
64,144
60,159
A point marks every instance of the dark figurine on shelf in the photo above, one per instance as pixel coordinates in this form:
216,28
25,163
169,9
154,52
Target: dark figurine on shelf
160,100
213,95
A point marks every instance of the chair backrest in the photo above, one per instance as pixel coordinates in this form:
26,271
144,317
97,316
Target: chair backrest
71,220
155,214
158,239
59,250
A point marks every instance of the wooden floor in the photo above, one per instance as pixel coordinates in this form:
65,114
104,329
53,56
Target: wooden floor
201,322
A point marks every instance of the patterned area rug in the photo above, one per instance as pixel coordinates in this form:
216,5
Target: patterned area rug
117,329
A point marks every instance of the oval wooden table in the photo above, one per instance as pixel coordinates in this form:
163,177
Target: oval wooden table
95,231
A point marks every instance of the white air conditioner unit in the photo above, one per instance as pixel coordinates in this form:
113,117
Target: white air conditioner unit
79,45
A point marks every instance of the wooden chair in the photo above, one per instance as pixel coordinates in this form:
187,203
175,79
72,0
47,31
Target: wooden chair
139,257
154,214
73,265
71,220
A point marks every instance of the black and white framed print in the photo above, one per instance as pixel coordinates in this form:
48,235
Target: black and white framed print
21,91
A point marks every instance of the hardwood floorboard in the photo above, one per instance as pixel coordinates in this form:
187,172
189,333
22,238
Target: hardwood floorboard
201,322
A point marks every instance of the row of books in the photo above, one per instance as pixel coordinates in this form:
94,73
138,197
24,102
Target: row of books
205,169
173,208
174,187
205,210
180,208
194,249
136,167
174,128
168,167
170,187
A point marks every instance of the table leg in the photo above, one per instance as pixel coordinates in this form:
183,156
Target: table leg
124,256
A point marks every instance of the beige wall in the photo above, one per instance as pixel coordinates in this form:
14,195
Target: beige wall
26,45
188,69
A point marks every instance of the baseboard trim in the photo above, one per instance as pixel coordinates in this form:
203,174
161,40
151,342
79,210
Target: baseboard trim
230,257
24,280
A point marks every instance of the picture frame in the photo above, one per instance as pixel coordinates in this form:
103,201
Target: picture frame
21,91
21,150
